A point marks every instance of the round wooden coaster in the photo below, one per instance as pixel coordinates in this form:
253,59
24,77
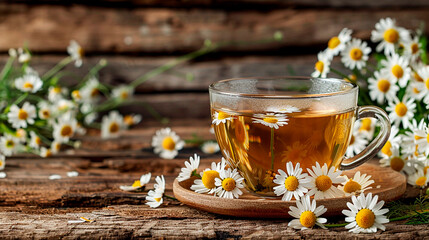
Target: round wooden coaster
389,185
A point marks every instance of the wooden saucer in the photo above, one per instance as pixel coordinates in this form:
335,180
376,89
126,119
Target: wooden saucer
391,186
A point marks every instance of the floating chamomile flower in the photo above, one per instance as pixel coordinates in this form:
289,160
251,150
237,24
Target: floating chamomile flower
229,184
355,54
291,183
132,119
322,65
365,214
76,52
167,143
190,168
9,145
393,142
221,117
389,34
272,120
138,184
35,140
65,128
338,43
322,180
307,214
401,111
356,185
283,109
381,87
397,69
123,92
357,143
2,161
397,163
210,147
207,182
419,179
29,83
412,48
21,117
111,125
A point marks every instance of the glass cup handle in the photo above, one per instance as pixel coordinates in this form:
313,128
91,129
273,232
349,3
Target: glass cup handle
377,144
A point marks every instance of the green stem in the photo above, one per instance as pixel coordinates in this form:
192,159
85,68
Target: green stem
100,65
335,225
155,114
16,102
170,197
57,68
272,148
7,68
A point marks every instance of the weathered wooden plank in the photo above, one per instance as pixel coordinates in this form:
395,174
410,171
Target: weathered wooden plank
49,28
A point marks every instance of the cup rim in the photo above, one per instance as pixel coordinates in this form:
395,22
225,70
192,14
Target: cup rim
213,89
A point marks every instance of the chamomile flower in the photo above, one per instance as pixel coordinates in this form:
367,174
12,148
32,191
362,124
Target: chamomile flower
423,86
207,182
2,161
24,56
401,111
393,142
132,119
190,168
322,180
21,117
8,145
381,87
229,184
45,110
421,137
29,83
221,117
210,147
419,179
76,52
45,152
21,135
90,92
64,128
412,48
283,109
159,186
64,105
111,125
397,69
55,146
322,65
272,120
355,54
154,199
56,93
357,143
366,127
397,163
35,140
365,214
389,34
138,184
338,43
123,92
167,143
291,183
307,214
356,185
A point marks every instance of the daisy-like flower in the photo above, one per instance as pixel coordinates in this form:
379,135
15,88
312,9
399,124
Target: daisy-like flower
77,97
393,142
29,83
138,184
419,179
35,140
356,185
381,87
55,146
291,183
167,143
23,55
338,43
64,105
366,127
210,147
272,120
154,199
357,143
283,109
397,163
322,180
389,34
2,162
322,65
45,152
207,182
45,110
65,128
90,92
132,119
76,52
412,48
8,145
111,125
229,184
21,135
355,54
190,168
423,86
307,214
56,93
421,136
123,92
221,117
21,117
401,111
365,214
397,69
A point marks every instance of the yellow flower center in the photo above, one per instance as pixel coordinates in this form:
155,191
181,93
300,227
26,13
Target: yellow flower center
365,218
270,120
356,54
228,184
20,133
323,183
158,199
222,115
416,137
396,163
383,85
22,114
94,92
124,95
10,143
307,219
414,48
129,120
76,94
46,113
427,83
421,181
37,140
48,153
291,183
136,184
1,163
401,109
425,170
56,90
397,71
417,77
366,125
57,146
391,35
114,127
319,66
352,186
415,90
333,42
28,85
386,149
168,143
66,130
209,178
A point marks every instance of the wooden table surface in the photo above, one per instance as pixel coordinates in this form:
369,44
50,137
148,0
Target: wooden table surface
32,206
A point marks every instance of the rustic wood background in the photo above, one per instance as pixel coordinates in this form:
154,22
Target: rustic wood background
136,36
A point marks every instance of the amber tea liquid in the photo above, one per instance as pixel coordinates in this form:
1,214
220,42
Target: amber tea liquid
308,137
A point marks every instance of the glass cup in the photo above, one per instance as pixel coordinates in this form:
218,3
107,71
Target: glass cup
263,123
